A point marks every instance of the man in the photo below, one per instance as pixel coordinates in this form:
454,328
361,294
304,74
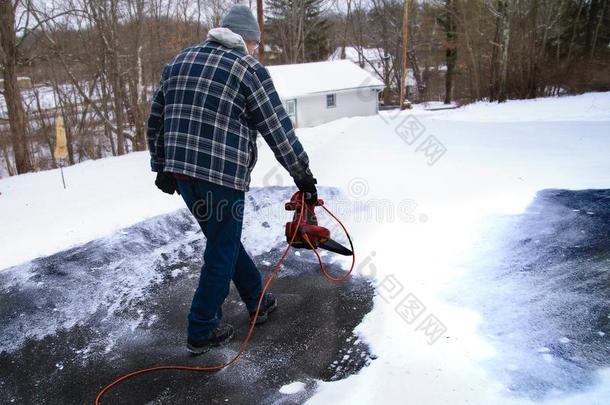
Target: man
202,129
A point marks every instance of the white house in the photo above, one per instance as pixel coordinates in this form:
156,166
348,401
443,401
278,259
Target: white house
318,92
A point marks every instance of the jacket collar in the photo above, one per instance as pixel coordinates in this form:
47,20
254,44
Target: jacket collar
228,38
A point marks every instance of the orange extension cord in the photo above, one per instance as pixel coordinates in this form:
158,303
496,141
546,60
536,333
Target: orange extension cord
244,344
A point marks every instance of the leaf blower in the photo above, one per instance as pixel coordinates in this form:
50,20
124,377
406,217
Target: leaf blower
309,235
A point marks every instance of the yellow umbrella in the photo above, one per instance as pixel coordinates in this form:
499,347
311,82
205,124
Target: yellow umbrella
61,143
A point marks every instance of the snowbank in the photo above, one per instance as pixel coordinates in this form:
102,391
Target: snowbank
590,107
39,217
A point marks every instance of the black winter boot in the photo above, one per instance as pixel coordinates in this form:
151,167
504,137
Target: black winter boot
269,306
222,334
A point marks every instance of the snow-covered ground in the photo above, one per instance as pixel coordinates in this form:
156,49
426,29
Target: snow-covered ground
421,184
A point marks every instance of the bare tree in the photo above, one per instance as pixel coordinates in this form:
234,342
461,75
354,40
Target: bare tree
348,4
105,16
136,96
451,50
14,103
298,27
499,61
261,23
383,29
404,55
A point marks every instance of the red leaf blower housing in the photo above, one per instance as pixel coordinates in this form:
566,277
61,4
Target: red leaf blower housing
309,235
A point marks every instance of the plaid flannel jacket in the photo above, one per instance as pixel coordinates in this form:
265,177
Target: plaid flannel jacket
205,115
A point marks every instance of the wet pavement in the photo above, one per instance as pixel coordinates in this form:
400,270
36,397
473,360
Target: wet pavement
76,320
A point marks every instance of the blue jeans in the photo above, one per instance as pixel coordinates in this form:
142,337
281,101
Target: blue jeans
219,211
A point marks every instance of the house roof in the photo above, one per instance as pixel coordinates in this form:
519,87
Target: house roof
320,77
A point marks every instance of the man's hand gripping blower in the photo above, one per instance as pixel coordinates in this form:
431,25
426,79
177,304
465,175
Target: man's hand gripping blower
309,235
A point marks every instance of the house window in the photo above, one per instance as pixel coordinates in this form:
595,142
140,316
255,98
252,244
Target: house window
291,107
331,101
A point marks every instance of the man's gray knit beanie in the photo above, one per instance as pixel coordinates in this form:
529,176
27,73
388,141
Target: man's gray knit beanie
241,21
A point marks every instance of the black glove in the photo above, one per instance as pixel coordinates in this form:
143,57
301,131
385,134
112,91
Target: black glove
307,185
166,182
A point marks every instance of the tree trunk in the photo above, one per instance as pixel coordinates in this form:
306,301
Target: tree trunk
138,103
451,48
405,55
495,51
14,103
261,23
598,24
532,85
116,82
574,32
499,60
7,159
502,92
346,30
591,25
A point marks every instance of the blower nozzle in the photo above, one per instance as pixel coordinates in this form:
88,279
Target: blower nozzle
309,235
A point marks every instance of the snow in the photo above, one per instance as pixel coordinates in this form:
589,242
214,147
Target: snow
39,217
307,78
356,54
292,388
589,107
495,158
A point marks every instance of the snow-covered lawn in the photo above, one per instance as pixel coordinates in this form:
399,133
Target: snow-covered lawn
428,180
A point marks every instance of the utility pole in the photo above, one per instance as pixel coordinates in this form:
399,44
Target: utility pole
404,103
261,25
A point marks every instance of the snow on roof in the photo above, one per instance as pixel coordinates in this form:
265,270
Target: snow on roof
357,54
319,77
